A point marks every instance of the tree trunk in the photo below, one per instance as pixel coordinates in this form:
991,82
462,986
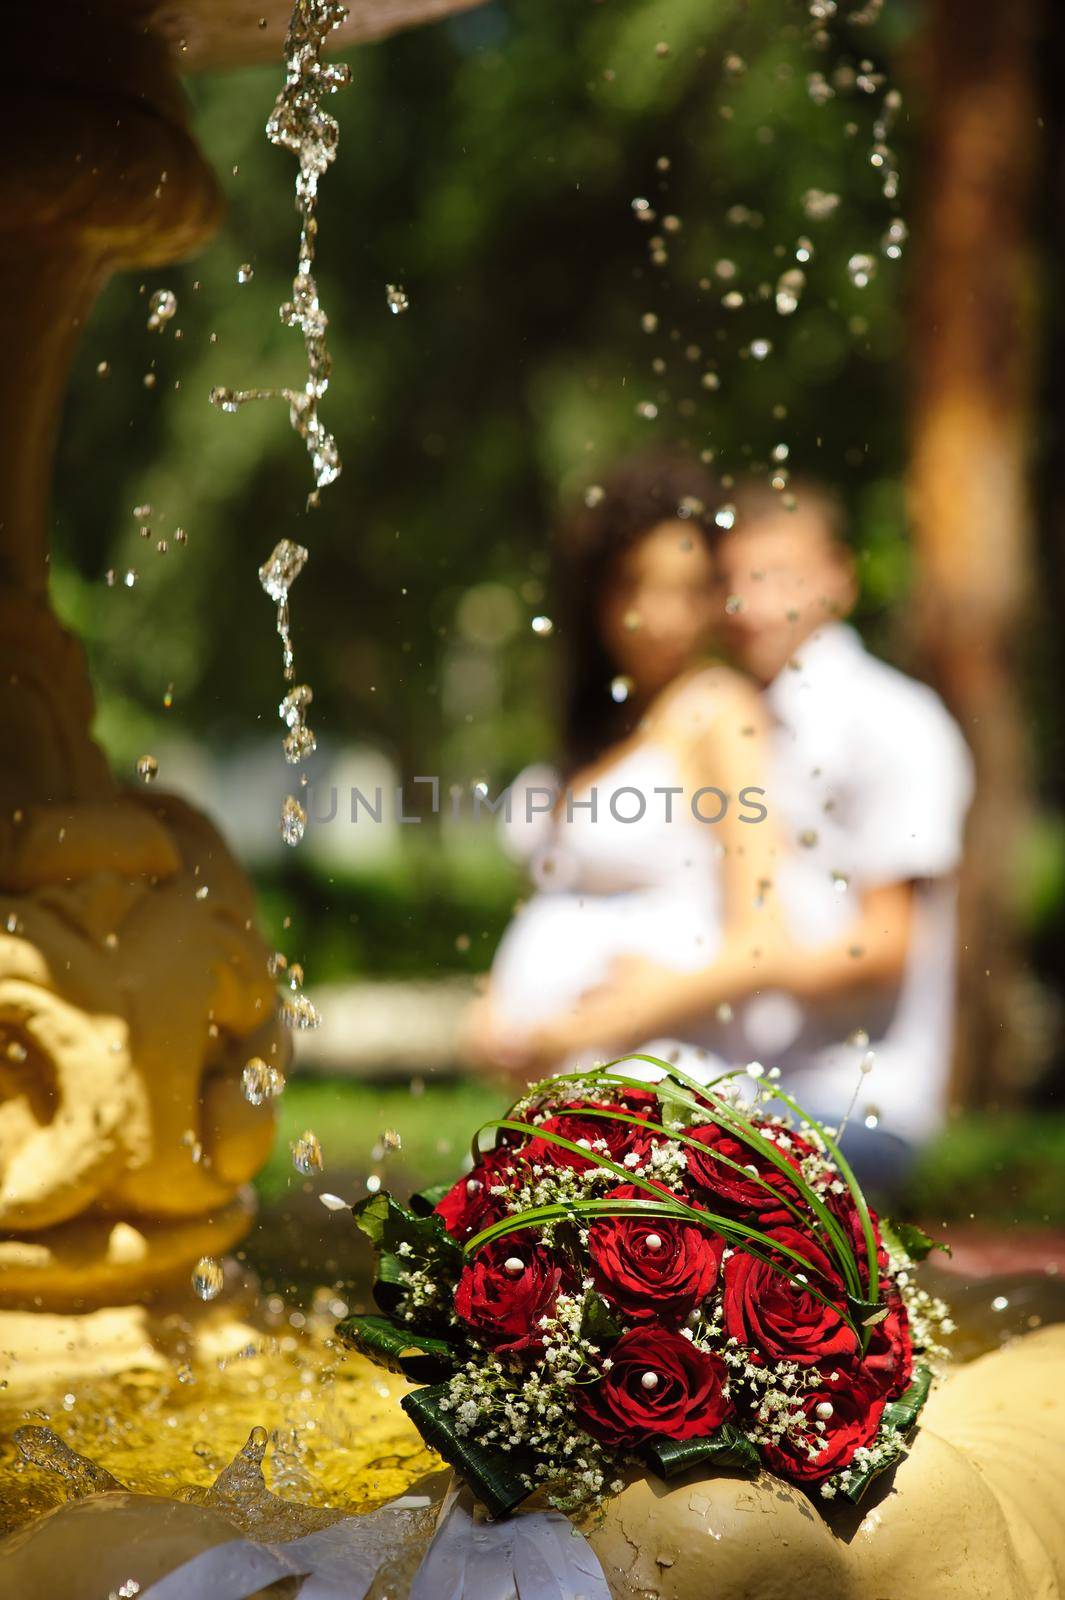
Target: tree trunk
968,476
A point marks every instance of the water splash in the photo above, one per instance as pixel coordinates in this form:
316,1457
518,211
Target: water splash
46,1449
300,123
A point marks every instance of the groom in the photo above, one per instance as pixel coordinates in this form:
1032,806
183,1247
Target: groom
850,992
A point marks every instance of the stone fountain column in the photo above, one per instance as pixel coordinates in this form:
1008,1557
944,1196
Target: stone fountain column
133,985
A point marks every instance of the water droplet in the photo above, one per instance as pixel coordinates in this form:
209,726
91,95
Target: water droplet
207,1278
307,1153
790,286
642,209
818,88
299,1013
725,516
245,272
647,410
1000,1303
710,380
760,349
620,689
732,301
147,769
293,820
103,369
594,495
542,626
804,250
861,270
780,452
129,578
840,882
283,567
894,239
161,308
261,1081
819,204
649,322
871,1119
396,298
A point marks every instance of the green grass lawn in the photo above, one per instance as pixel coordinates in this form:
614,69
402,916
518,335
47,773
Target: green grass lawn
1003,1168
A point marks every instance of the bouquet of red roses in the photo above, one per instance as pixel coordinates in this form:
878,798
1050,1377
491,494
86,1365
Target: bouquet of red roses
659,1272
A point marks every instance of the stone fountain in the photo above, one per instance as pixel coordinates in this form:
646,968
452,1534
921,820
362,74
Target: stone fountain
133,983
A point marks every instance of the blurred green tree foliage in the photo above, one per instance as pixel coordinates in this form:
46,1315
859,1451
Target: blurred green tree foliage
488,164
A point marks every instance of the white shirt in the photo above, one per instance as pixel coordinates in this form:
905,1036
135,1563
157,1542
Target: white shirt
872,780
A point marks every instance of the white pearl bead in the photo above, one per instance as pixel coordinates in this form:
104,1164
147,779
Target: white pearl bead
824,1410
650,1380
473,1186
514,1266
653,1241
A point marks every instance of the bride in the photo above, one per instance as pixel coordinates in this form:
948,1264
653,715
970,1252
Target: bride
657,849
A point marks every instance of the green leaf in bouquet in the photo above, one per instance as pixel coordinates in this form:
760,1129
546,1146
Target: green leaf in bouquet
729,1449
858,1482
867,1313
407,1243
902,1414
497,1477
417,1356
910,1240
598,1324
427,1200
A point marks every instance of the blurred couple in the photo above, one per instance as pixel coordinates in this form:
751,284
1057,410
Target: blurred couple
707,656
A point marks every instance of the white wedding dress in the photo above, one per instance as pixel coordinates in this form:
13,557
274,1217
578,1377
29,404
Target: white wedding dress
607,888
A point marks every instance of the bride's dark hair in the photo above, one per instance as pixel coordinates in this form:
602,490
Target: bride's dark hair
629,501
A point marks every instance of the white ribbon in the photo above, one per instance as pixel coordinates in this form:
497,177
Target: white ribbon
533,1555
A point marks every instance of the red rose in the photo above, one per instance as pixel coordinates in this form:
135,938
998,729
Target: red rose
854,1410
505,1290
608,1136
758,1187
659,1385
469,1204
651,1268
780,1319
